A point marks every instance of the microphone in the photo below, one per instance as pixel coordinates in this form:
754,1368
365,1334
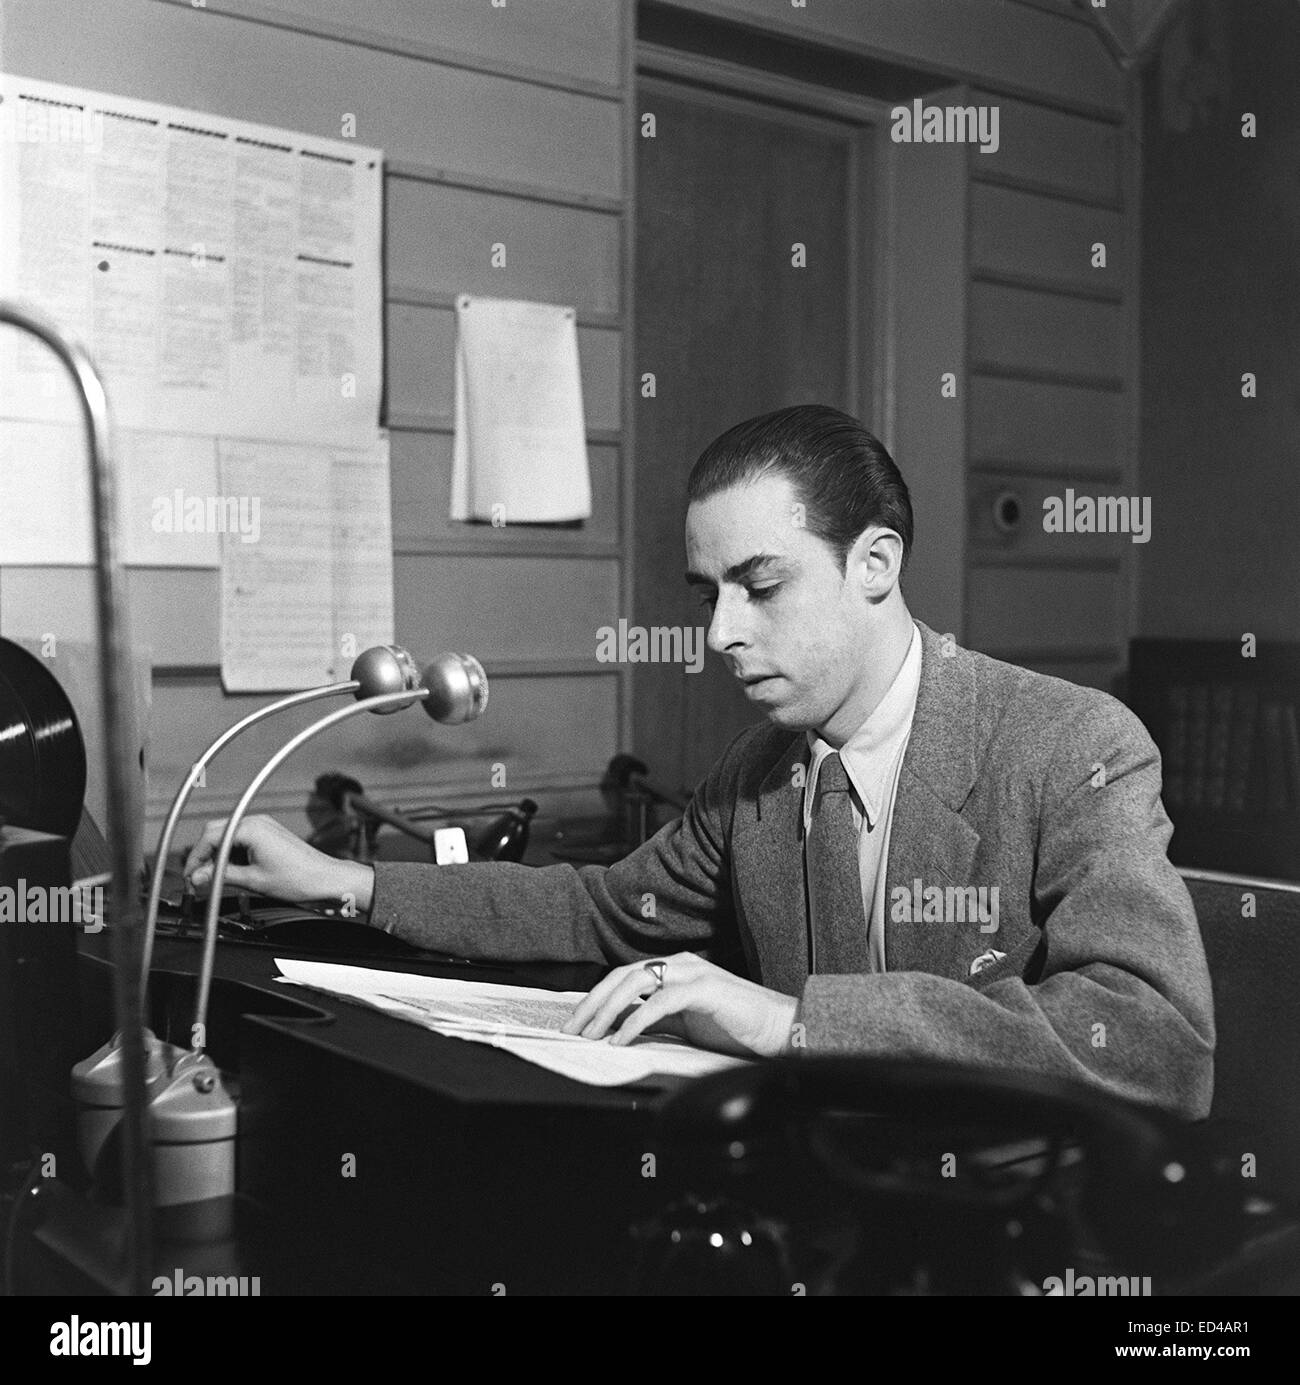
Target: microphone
385,668
458,689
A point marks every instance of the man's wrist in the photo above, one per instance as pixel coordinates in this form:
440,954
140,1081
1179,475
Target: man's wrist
353,884
786,1008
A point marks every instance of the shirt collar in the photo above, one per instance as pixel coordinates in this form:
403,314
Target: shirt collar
869,753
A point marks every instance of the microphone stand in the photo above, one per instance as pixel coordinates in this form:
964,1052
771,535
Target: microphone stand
454,690
381,669
123,826
192,780
387,702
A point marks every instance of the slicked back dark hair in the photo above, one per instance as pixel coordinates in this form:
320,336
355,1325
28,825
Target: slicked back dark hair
842,474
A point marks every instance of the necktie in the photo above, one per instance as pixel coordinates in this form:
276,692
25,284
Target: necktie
839,927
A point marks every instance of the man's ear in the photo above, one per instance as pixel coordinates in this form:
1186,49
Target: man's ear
875,561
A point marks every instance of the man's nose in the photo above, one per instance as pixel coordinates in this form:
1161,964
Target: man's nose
727,629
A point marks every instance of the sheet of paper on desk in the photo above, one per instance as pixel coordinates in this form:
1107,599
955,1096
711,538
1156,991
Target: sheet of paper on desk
602,1065
521,1020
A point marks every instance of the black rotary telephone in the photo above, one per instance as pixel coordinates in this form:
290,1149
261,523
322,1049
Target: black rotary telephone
901,1176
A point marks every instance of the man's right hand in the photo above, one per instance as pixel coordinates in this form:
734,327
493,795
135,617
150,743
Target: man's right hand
281,865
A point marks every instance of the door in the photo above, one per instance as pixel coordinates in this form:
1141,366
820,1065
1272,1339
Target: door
751,278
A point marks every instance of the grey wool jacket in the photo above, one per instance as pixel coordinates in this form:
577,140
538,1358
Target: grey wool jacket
1047,791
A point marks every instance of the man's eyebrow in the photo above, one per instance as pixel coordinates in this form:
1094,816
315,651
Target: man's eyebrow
737,572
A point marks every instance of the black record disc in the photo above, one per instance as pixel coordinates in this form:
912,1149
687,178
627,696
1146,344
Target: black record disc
42,755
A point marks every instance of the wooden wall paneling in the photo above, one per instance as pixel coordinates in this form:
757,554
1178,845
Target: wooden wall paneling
1024,331
505,607
571,39
1045,240
1019,612
440,241
419,365
1053,151
1053,365
1026,425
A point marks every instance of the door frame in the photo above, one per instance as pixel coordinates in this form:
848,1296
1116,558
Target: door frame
732,86
921,204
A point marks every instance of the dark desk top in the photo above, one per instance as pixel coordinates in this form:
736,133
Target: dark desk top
245,987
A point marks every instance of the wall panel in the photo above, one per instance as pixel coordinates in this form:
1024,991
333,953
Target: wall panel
440,241
570,38
506,607
1017,233
1022,330
1041,427
1021,613
1053,150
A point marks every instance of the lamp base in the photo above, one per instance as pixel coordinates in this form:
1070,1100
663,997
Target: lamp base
192,1120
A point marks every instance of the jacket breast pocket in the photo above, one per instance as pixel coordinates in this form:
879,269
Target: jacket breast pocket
1023,958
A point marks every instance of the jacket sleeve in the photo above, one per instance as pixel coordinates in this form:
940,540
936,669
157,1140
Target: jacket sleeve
1114,990
672,894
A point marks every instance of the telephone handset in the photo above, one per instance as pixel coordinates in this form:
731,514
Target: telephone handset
894,1175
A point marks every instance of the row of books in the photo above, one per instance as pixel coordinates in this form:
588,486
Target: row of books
1231,748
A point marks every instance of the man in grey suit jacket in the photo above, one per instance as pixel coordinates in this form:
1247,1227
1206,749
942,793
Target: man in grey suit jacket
1014,905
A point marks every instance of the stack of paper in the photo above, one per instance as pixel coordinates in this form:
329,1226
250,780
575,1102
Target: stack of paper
519,1019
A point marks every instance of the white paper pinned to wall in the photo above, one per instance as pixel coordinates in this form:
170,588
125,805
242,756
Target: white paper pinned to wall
309,584
225,276
520,450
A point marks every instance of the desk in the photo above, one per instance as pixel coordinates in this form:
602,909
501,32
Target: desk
385,1158
376,1157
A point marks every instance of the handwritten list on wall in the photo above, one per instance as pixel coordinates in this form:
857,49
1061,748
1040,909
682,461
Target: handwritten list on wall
226,278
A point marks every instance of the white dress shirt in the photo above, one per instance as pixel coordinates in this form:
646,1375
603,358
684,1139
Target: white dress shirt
872,758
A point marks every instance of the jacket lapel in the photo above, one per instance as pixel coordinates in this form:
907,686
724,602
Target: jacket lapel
929,841
777,911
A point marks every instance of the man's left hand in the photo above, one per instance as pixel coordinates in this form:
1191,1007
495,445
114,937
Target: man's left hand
700,1002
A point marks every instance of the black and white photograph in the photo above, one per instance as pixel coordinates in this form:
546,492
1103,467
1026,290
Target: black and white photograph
649,649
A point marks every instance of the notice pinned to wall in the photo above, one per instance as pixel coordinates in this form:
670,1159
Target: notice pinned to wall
225,276
520,450
308,584
227,280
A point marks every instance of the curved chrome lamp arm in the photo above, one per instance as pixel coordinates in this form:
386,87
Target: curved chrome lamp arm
389,701
123,827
